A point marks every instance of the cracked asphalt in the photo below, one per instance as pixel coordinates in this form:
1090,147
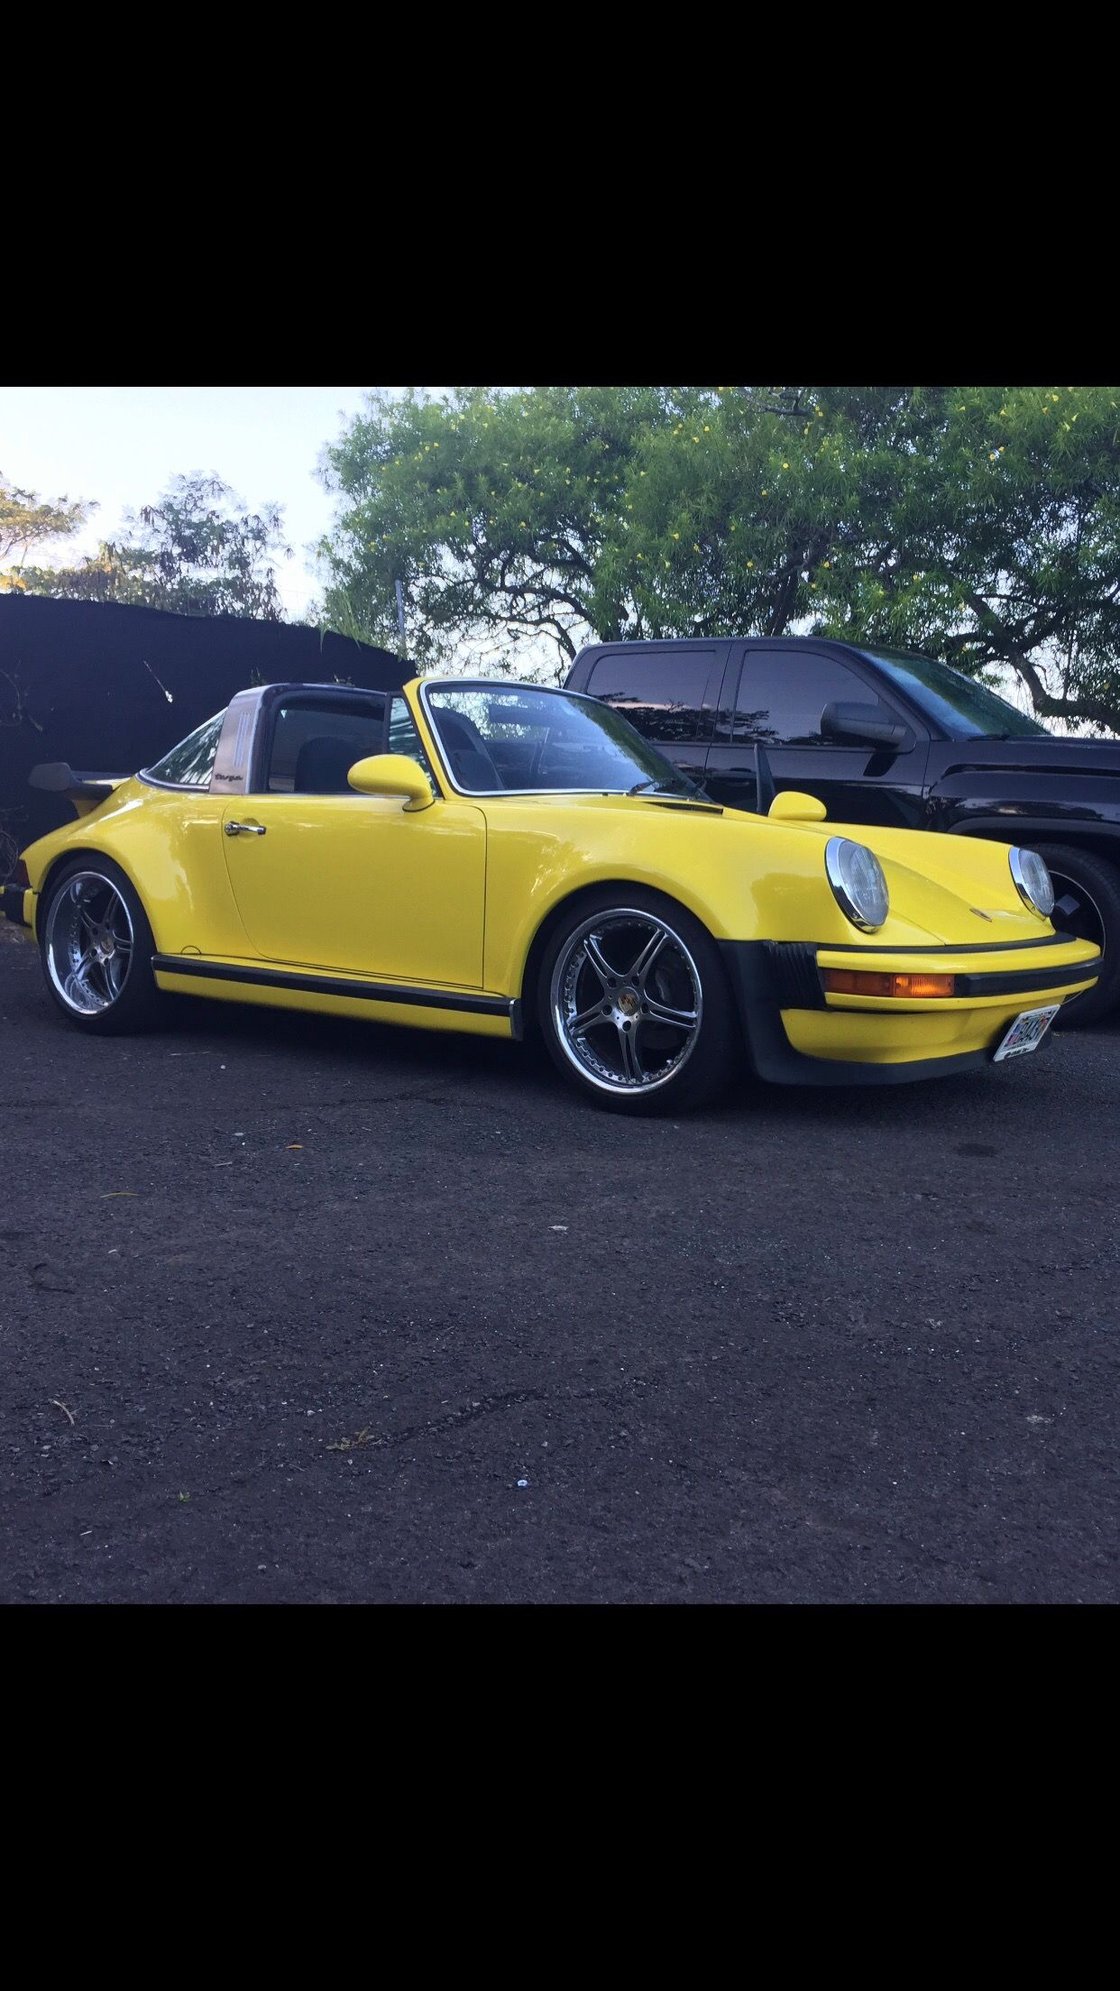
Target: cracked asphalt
299,1311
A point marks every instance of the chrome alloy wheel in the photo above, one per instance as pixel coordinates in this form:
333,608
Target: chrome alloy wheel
89,943
627,1002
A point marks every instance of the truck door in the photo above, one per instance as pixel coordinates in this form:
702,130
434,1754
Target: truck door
668,691
778,696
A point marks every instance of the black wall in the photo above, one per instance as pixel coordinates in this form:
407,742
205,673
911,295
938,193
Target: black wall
110,689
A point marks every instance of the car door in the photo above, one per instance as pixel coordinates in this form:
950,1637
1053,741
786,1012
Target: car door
326,878
777,696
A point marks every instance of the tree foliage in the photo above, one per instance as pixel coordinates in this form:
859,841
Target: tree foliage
197,551
26,520
979,524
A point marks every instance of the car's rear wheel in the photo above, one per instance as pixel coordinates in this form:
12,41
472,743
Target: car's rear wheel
1087,895
96,947
635,1006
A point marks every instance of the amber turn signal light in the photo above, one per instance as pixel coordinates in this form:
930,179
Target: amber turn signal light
861,981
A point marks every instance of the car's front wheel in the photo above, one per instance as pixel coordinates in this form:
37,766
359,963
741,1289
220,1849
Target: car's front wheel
635,1006
96,947
1087,891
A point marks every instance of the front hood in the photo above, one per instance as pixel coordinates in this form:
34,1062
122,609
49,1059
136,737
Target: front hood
943,889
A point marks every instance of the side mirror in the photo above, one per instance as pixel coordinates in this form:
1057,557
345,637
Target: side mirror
392,774
865,724
793,807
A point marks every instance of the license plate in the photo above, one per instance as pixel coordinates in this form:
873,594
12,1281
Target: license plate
1027,1032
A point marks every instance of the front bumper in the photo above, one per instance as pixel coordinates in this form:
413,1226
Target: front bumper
797,1034
15,903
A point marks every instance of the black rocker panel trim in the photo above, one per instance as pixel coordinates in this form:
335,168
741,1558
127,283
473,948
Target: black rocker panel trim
332,985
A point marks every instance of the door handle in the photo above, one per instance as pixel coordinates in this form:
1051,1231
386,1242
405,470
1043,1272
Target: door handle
244,829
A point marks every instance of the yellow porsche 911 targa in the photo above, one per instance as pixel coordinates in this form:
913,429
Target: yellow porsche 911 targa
499,858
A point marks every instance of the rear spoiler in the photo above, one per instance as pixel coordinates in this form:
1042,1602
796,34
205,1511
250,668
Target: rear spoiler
85,791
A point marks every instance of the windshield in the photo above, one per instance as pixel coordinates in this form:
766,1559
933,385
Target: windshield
965,709
523,739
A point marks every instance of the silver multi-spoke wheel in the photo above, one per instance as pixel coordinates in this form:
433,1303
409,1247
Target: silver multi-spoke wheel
96,947
627,1001
89,943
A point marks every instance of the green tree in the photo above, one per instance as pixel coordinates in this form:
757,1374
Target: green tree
26,520
497,512
981,524
197,551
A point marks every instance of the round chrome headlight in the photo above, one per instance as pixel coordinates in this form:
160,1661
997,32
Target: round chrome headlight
856,877
1033,882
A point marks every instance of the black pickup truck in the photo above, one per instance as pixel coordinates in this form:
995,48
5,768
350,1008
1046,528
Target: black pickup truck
884,736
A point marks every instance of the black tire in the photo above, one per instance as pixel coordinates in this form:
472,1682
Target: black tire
96,948
634,1004
1094,885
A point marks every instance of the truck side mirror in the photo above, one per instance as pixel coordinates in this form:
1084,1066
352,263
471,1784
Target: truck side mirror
865,724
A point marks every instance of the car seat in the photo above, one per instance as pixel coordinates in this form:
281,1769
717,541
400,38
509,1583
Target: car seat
322,765
466,751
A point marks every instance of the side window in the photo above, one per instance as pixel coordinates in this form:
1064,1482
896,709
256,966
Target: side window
663,696
782,695
404,738
314,746
190,764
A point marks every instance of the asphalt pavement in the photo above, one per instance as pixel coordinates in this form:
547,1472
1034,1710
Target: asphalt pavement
294,1311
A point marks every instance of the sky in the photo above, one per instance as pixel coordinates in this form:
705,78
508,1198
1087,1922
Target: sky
123,445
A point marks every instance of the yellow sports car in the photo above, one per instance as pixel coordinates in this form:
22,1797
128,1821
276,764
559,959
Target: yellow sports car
497,858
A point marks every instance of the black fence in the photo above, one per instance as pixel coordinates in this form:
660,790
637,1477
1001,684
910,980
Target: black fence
110,689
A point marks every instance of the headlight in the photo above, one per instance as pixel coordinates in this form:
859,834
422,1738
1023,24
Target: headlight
1033,882
856,877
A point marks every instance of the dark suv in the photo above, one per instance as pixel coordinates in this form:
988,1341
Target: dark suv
884,736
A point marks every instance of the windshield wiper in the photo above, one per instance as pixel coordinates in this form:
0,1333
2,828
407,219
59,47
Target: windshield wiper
662,788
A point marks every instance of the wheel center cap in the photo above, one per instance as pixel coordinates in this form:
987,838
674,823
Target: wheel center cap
105,946
628,1002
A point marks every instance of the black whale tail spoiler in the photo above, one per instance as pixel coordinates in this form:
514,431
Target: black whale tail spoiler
85,791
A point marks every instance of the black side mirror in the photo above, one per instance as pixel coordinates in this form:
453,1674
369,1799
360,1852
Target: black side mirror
865,724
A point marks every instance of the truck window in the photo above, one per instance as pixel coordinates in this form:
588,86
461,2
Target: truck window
662,696
782,695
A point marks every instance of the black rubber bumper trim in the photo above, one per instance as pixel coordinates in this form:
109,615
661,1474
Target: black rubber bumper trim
331,985
757,982
11,899
1045,978
797,975
940,946
797,980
